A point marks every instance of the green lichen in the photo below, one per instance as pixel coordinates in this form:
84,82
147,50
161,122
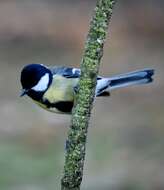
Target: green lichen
77,134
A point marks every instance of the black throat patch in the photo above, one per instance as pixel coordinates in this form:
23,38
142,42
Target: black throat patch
63,106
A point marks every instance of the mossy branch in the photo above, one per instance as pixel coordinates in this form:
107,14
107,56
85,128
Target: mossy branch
77,134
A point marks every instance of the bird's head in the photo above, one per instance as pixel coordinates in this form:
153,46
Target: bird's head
35,80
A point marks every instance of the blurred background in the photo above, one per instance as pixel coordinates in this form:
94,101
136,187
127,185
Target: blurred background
125,149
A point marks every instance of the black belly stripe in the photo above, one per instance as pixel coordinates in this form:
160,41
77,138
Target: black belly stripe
63,106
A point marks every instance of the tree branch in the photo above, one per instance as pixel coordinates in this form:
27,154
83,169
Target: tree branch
77,134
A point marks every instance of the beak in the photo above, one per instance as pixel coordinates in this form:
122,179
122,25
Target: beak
23,92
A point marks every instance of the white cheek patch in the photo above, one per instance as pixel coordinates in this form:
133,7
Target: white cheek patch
42,84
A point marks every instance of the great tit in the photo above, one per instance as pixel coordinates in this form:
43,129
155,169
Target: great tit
54,89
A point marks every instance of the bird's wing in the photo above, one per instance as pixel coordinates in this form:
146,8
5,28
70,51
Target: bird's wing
67,72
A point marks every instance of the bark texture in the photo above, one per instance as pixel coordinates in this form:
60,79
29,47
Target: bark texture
77,134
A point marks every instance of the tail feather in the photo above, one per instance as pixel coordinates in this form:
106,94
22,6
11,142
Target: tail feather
123,80
132,78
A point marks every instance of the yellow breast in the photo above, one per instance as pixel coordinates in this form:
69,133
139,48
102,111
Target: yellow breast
54,110
61,89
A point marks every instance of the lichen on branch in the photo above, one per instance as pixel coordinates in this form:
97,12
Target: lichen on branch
77,133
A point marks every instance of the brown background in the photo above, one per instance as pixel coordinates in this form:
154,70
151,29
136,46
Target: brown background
126,136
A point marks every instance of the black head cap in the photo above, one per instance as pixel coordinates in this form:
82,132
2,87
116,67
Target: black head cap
31,75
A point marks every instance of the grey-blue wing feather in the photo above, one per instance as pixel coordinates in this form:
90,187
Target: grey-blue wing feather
67,72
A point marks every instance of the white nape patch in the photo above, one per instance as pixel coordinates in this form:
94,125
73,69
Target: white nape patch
42,84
